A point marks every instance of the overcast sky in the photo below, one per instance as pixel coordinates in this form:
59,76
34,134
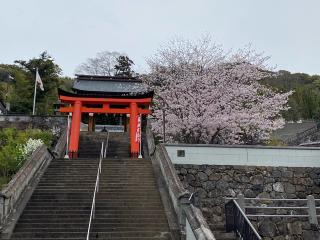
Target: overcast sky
73,30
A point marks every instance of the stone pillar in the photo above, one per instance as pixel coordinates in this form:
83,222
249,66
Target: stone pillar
75,130
91,123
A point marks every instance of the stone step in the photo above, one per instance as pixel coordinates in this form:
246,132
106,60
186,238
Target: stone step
102,184
93,181
84,220
128,234
103,205
97,226
224,235
101,212
70,198
94,235
115,238
128,204
104,216
106,207
102,187
105,228
97,145
103,202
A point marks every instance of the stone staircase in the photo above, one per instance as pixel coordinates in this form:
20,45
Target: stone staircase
128,204
90,144
59,207
219,231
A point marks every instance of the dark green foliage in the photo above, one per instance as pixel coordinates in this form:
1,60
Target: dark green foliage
11,140
66,83
123,66
305,101
20,92
17,93
49,72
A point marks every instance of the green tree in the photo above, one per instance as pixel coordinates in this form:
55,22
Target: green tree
19,92
304,102
50,73
66,83
123,66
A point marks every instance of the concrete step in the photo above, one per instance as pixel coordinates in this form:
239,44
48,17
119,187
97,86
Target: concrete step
98,226
113,204
154,208
94,235
104,228
219,231
101,212
84,219
224,236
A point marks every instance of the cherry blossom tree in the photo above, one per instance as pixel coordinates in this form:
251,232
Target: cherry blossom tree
209,95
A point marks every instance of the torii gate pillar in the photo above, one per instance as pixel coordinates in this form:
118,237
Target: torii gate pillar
75,130
133,129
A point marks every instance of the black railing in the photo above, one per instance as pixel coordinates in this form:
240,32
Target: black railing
237,222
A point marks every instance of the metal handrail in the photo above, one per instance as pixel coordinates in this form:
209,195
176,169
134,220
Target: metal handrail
104,146
245,229
310,207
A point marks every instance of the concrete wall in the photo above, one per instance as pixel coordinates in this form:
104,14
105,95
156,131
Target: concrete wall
245,155
189,233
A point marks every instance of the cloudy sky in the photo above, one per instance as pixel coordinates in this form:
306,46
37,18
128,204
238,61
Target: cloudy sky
73,30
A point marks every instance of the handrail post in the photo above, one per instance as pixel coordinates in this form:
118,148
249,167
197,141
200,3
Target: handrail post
312,212
241,203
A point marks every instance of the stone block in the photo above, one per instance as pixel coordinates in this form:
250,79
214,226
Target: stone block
289,188
294,228
278,187
209,185
267,228
215,177
202,176
257,180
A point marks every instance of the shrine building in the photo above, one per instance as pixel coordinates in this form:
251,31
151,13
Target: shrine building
92,96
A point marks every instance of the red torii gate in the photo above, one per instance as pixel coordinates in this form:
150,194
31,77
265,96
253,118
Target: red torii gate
120,105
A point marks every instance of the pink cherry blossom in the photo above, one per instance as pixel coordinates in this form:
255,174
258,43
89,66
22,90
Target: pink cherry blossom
212,96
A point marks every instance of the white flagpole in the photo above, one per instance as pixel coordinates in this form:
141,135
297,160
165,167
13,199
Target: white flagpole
35,94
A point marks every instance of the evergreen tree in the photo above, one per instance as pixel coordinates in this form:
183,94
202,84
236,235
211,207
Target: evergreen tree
123,66
49,72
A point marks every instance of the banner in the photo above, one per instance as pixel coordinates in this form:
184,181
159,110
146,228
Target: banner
138,133
39,81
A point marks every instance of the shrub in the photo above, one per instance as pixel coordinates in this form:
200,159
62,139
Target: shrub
16,146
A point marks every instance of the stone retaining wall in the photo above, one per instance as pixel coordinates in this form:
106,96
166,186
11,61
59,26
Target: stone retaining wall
213,183
25,121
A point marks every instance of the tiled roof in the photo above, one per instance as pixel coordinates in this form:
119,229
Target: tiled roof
108,84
